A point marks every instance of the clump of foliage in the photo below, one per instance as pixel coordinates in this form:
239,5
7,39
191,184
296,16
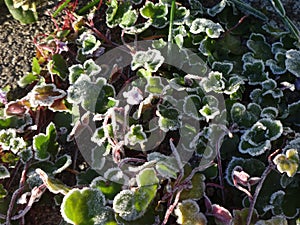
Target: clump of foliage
216,145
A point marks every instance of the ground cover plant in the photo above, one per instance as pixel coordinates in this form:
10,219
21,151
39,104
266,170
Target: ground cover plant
156,112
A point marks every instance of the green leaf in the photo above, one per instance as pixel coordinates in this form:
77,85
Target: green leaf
240,216
169,118
3,192
188,213
278,6
151,10
199,25
181,15
24,16
277,66
214,82
115,12
45,145
287,163
62,163
216,9
4,173
58,66
255,72
293,110
256,140
89,43
154,85
275,220
258,45
129,18
292,62
222,67
151,60
197,190
166,166
166,170
131,205
136,135
55,186
249,10
25,155
84,207
45,95
253,167
27,79
269,112
89,68
147,177
108,188
5,138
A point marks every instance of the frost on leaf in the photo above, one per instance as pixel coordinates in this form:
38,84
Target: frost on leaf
151,60
214,82
253,167
258,45
154,85
269,112
256,140
255,72
222,67
275,220
233,85
287,163
129,18
83,206
197,189
133,96
169,118
243,116
136,135
17,108
4,173
166,166
89,68
199,25
89,43
115,12
216,9
156,13
292,62
240,216
132,204
5,138
188,213
268,95
293,116
221,214
55,186
277,65
17,144
210,109
94,96
108,188
45,145
192,105
45,95
181,14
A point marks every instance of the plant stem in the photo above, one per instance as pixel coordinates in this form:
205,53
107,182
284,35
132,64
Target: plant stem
259,186
61,7
172,13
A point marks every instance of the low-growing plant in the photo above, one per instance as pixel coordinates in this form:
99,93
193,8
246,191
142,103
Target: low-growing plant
197,125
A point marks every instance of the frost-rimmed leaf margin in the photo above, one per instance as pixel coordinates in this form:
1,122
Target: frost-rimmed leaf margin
177,58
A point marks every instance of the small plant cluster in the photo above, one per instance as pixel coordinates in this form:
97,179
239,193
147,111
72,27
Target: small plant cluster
199,125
